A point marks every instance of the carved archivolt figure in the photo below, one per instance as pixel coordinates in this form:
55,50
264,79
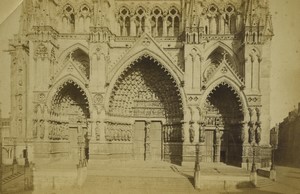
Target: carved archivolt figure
243,135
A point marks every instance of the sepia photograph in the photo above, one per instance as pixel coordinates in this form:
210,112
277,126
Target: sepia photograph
149,96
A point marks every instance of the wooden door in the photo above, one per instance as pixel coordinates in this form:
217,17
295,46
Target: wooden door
139,140
156,140
209,146
74,143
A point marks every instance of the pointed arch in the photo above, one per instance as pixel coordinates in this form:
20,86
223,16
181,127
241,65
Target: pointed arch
127,63
138,85
220,52
83,4
221,45
69,78
233,85
71,48
224,111
80,56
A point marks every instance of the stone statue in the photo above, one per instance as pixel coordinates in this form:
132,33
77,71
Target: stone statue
251,132
50,134
217,135
60,130
97,130
201,132
147,130
192,132
258,132
65,131
128,135
165,133
147,25
34,132
42,129
243,135
182,133
107,132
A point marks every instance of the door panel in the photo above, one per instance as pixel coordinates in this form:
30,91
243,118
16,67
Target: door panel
74,143
138,140
209,143
224,147
155,139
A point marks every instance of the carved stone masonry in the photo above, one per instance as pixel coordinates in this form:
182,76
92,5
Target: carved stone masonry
97,130
182,130
192,131
251,127
201,131
258,127
147,141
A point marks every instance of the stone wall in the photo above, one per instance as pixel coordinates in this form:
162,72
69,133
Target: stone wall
77,68
288,140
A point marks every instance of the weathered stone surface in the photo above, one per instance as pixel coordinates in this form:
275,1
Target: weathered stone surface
85,73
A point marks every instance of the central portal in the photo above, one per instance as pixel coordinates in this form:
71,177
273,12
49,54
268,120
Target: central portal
148,142
147,95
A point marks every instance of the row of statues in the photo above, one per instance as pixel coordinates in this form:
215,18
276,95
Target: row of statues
118,132
58,131
123,132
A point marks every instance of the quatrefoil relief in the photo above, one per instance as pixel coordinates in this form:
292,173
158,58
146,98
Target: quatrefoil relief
146,42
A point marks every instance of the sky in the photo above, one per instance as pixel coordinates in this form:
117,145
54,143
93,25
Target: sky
285,56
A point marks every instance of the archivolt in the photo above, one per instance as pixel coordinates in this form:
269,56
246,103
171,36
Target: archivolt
227,85
69,90
144,78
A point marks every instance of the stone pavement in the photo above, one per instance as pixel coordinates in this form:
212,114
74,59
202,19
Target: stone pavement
288,182
111,176
122,177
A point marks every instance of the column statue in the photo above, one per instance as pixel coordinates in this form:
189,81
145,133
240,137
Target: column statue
201,132
192,131
97,130
251,132
258,132
42,129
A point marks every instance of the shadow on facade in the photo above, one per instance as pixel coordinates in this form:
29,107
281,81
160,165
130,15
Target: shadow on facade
176,153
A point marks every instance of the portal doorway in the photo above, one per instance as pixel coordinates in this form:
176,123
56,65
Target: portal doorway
147,141
222,120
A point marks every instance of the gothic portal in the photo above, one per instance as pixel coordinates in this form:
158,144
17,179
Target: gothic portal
143,80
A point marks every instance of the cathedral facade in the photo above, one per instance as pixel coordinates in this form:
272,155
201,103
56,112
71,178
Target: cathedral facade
144,80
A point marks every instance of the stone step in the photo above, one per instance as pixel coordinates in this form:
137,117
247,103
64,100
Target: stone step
15,185
264,182
11,177
100,183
